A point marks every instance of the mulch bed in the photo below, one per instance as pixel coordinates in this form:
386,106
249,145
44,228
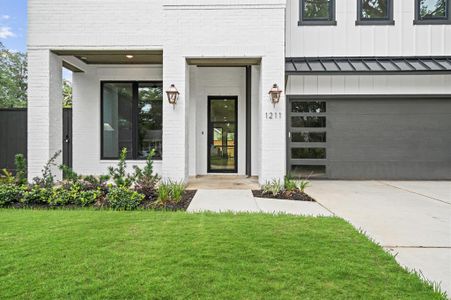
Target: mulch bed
187,197
295,195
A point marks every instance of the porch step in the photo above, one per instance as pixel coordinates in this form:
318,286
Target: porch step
223,182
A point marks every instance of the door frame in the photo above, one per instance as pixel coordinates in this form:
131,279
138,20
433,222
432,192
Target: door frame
210,133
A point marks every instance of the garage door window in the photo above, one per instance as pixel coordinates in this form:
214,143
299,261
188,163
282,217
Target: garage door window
307,138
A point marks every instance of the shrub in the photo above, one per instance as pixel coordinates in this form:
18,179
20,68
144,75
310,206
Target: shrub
303,184
290,184
48,179
7,177
96,183
73,196
69,174
21,169
273,188
122,198
9,194
146,181
118,174
170,192
36,195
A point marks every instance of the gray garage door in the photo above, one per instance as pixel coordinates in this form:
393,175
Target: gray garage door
369,137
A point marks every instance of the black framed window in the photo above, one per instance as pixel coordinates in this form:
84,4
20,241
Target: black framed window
432,12
132,118
375,12
317,12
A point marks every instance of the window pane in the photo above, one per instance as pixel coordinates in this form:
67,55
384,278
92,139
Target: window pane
433,9
308,153
308,137
308,121
374,9
150,120
317,9
308,107
222,110
302,171
117,119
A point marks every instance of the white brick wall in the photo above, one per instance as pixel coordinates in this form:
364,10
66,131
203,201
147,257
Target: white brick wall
86,114
95,23
44,110
224,29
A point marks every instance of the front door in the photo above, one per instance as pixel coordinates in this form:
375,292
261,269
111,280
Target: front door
222,134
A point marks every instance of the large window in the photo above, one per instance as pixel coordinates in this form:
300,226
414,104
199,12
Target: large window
432,12
132,118
375,12
317,12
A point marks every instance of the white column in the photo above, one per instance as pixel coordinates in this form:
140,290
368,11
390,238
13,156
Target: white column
45,110
175,127
273,121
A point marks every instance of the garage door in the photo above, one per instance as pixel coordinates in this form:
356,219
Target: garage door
369,137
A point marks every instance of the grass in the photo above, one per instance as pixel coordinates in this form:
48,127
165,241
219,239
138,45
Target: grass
118,255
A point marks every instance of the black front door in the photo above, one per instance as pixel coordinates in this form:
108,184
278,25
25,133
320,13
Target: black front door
222,134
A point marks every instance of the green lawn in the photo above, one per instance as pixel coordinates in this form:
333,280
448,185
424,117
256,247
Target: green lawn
118,255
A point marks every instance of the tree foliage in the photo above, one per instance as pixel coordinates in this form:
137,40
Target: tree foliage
67,93
13,78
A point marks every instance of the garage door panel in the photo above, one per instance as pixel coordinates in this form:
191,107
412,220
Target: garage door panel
389,170
389,138
387,106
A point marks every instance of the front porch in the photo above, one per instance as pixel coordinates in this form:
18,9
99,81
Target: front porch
119,102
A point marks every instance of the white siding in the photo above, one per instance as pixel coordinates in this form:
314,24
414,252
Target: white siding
368,85
347,39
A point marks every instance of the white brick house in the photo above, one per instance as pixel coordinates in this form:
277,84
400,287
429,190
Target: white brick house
366,92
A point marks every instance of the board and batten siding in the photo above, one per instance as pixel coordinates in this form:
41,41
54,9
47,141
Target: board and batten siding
348,39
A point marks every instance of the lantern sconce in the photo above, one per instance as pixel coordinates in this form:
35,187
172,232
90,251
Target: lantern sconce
173,95
275,93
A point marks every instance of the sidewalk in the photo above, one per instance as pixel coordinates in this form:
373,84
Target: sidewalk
244,201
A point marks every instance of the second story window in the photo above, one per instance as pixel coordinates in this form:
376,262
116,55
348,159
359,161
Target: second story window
375,12
317,12
432,12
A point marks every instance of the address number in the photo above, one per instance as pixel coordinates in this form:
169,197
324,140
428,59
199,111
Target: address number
273,115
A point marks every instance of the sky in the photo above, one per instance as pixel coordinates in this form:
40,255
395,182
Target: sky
13,24
13,27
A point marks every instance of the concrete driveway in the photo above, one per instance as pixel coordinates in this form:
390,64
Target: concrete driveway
411,219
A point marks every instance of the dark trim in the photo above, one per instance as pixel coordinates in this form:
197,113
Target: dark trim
249,120
432,21
368,96
377,21
331,21
135,103
210,135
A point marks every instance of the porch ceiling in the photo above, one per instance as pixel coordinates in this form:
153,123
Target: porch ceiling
115,56
224,62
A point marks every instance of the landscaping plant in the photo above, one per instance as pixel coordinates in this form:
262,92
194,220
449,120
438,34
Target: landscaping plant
273,188
119,174
122,198
171,191
146,180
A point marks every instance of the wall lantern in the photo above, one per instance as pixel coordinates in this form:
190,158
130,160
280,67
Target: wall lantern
275,93
173,95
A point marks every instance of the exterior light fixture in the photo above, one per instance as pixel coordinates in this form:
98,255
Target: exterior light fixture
173,95
129,56
275,93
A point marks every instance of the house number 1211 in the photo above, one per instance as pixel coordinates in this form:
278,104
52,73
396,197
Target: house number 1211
273,115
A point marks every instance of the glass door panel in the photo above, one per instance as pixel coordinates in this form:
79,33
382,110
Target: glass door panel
222,133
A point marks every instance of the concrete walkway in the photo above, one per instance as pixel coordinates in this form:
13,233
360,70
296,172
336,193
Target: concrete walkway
244,201
411,219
